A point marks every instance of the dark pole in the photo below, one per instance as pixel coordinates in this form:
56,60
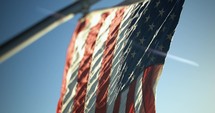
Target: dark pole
35,32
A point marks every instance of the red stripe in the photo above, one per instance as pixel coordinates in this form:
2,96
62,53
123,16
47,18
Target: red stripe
104,78
83,73
81,25
149,78
117,104
130,98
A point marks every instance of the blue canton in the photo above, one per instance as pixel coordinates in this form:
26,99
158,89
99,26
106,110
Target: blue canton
150,31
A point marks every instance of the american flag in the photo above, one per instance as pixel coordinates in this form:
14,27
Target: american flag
116,56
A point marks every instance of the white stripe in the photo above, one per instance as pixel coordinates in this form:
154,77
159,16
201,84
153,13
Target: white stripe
96,65
125,31
156,81
114,78
73,70
123,100
115,72
138,94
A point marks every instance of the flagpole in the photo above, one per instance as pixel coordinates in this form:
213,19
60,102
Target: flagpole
27,37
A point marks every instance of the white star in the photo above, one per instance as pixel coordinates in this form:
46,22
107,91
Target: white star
129,21
172,16
147,18
161,12
128,50
157,3
142,67
134,26
152,58
148,55
138,65
142,41
133,54
164,28
151,27
169,37
138,34
161,47
144,12
126,68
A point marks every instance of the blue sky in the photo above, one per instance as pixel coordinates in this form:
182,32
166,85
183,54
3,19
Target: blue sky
30,81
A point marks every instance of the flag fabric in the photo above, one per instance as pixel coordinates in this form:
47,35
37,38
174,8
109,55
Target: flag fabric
116,56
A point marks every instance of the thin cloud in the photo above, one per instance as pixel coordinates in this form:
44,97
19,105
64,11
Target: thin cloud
177,58
183,60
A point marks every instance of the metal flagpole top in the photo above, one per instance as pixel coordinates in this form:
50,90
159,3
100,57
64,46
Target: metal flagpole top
35,32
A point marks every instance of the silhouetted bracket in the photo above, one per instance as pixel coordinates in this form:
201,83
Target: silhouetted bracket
27,37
